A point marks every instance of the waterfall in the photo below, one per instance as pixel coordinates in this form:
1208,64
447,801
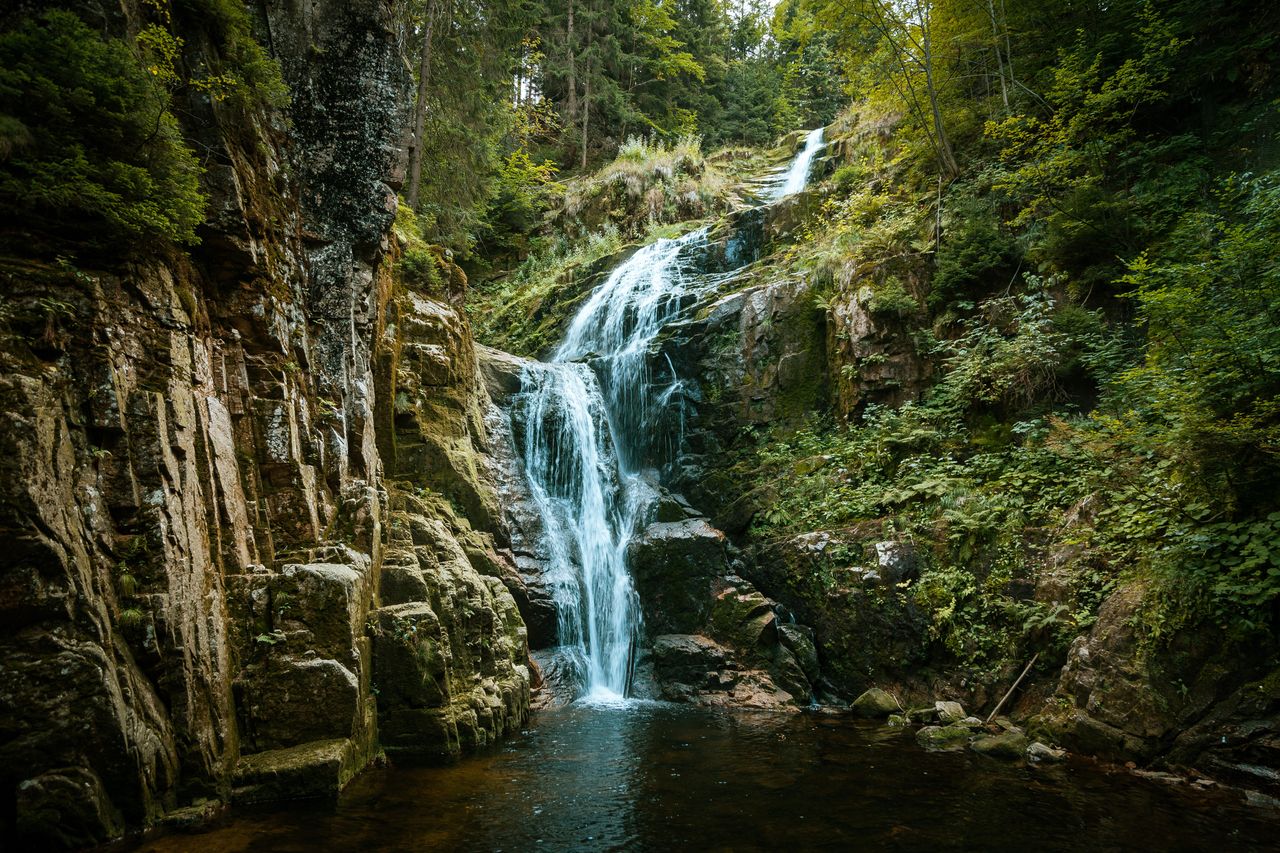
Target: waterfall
590,430
595,418
797,176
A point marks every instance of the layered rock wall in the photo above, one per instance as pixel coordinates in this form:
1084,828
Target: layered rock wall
197,523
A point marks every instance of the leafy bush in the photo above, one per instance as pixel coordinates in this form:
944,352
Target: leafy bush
88,139
251,76
1209,389
976,254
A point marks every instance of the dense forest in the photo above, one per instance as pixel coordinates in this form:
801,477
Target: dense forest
1070,203
988,410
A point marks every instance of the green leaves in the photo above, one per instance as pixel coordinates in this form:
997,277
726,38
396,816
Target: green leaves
96,144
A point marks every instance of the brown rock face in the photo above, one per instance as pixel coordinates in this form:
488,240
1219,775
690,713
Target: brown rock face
1195,703
716,639
192,499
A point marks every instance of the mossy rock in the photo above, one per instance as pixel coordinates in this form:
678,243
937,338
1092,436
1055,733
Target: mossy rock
875,703
944,737
1011,746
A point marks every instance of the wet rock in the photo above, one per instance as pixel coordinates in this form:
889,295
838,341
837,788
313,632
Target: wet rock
671,507
688,659
326,601
799,640
897,720
537,606
501,372
949,712
320,769
944,737
923,715
1008,745
411,654
875,703
786,672
288,701
1039,752
673,565
970,723
744,617
66,808
562,676
896,561
450,671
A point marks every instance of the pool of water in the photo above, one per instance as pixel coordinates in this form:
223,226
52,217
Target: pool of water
651,776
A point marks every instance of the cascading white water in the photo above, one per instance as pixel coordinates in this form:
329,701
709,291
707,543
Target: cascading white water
797,176
588,434
595,417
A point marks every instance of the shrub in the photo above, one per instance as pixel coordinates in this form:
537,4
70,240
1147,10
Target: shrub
87,140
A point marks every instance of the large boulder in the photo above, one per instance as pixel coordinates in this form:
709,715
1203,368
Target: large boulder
1010,745
944,738
799,640
673,564
688,659
744,617
875,703
286,701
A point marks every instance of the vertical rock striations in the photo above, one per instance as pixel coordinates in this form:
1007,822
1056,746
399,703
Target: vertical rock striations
193,606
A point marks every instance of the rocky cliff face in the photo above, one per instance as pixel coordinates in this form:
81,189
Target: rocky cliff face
213,592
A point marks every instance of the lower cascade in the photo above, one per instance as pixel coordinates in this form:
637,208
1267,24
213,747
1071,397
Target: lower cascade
593,416
598,422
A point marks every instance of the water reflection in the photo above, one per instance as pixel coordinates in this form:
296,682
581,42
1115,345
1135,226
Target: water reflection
607,775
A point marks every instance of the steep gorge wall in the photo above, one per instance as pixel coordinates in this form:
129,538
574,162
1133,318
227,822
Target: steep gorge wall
193,606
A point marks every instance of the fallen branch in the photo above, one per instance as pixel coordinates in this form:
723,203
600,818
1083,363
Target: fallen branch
1006,696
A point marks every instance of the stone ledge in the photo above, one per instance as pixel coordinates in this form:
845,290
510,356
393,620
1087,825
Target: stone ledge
317,769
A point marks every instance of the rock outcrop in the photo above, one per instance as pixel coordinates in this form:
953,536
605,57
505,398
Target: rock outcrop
210,584
716,640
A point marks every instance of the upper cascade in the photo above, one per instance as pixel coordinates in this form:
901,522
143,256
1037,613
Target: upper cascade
796,177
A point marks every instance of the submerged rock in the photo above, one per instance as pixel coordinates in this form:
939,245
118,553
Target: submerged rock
1009,745
944,737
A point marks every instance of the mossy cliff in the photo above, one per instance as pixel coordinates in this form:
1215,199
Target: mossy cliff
249,541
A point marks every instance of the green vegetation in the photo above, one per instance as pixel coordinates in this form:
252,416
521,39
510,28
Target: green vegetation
510,94
91,152
524,312
650,190
89,145
1063,214
1088,243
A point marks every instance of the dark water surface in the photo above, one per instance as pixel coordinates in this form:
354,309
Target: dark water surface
657,777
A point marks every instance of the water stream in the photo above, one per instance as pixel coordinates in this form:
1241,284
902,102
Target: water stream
654,777
596,420
593,423
796,177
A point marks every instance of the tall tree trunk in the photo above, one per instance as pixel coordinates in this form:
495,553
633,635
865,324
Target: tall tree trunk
995,43
571,106
1008,44
586,95
946,157
420,108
